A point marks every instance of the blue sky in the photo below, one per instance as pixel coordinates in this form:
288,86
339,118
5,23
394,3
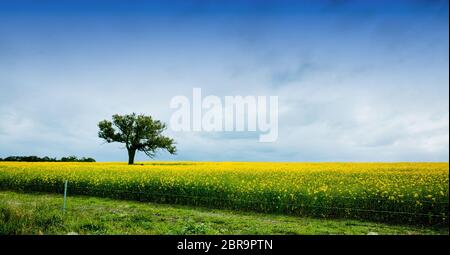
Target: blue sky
356,80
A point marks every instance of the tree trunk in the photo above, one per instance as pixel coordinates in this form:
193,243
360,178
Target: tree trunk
131,153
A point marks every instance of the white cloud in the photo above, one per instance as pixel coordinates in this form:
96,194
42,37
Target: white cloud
358,97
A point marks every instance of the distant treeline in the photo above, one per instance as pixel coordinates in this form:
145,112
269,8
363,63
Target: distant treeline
47,159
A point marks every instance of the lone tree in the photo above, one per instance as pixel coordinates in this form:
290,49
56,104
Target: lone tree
137,132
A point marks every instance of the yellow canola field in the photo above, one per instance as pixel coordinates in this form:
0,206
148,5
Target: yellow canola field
404,192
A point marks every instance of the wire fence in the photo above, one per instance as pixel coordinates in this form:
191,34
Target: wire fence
430,213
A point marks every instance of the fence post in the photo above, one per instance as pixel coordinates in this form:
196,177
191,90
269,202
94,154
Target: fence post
65,196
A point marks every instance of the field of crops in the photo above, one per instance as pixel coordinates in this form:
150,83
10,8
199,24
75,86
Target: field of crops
390,192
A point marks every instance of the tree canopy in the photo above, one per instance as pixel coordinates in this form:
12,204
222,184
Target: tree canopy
47,159
138,133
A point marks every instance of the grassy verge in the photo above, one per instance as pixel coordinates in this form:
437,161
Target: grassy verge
41,214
